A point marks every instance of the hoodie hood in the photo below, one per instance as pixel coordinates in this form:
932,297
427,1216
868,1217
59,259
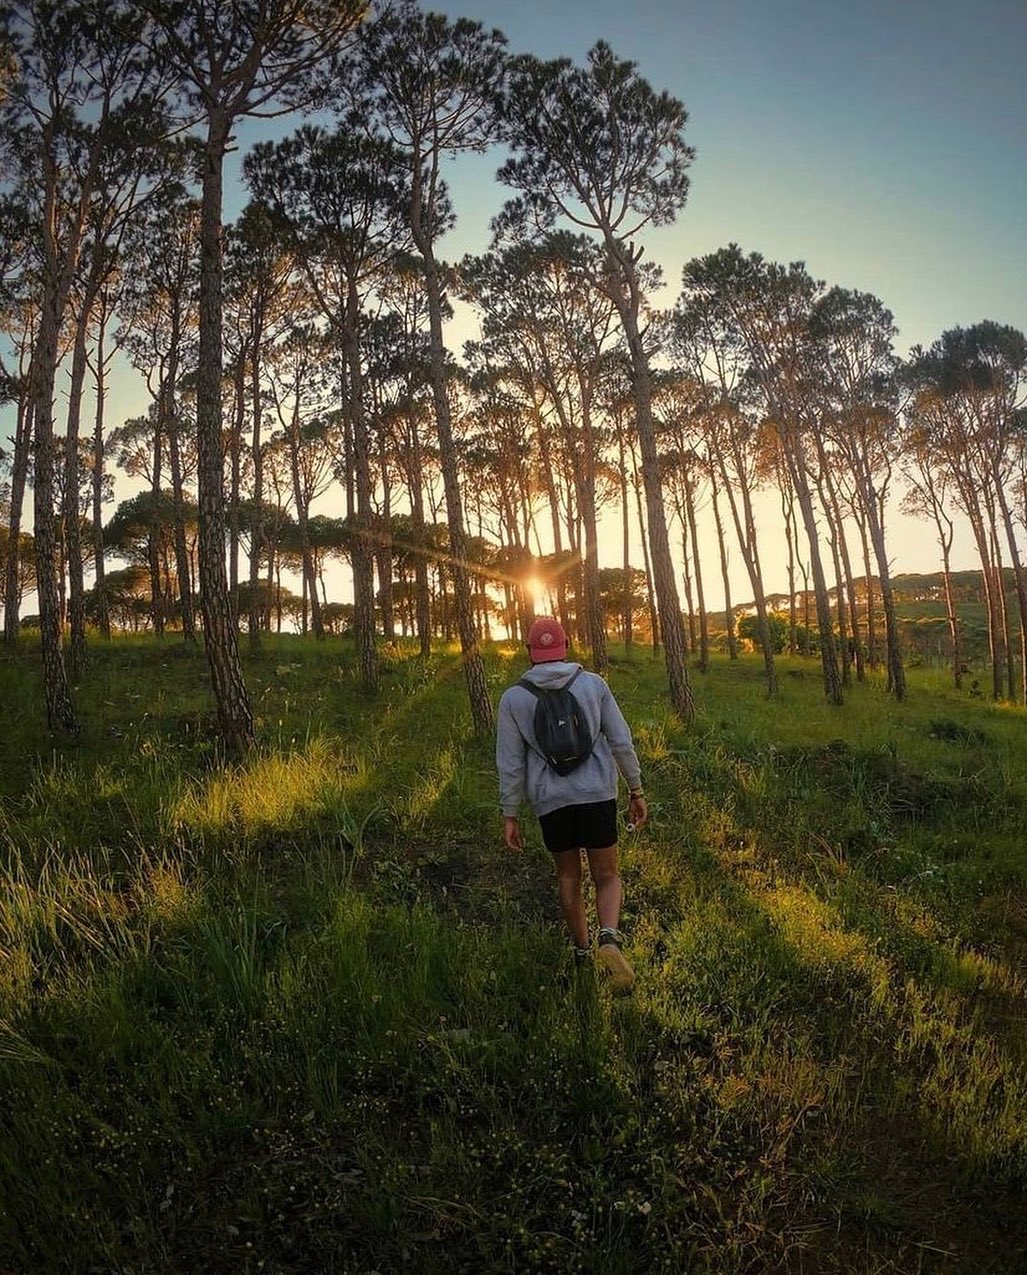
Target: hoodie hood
552,674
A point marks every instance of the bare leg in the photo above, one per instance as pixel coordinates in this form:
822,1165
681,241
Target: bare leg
568,871
609,894
603,866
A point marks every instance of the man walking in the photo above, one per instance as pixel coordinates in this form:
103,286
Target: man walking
561,740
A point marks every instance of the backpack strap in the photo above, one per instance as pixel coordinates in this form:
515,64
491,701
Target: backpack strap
568,686
537,690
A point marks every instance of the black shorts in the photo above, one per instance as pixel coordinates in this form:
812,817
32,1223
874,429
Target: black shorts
590,826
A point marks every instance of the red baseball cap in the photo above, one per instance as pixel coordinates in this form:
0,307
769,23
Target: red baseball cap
547,640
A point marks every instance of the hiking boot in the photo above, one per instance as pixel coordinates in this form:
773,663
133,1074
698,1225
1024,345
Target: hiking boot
577,975
613,960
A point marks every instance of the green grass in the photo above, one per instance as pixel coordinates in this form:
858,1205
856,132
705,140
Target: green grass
306,1014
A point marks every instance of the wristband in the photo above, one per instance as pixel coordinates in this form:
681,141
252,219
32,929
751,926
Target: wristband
636,792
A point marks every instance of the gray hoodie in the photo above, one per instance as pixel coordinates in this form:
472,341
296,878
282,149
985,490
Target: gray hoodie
522,770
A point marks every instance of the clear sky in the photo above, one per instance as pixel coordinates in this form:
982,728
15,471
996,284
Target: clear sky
883,142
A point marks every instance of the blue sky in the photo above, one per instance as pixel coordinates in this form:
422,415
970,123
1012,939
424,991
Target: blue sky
885,144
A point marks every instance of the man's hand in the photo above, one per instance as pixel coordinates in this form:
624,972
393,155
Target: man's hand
512,833
638,812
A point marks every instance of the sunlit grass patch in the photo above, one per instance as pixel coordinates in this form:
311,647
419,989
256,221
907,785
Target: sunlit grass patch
815,932
314,786
168,896
63,906
970,1090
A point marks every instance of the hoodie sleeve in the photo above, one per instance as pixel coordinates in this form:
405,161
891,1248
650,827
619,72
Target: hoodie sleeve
618,736
511,760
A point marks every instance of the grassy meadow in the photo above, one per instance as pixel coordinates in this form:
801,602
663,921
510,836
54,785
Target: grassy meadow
309,1015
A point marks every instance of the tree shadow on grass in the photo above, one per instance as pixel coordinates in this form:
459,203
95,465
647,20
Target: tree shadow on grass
797,1022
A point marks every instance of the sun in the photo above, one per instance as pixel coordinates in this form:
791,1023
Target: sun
536,588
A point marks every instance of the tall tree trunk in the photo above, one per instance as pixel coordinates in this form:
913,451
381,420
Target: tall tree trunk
595,627
868,578
576,573
77,655
422,583
153,538
103,613
628,609
257,532
704,627
182,565
993,604
59,269
422,588
62,561
591,612
385,548
273,602
654,617
444,602
235,453
1000,589
828,651
474,670
994,631
1019,577
19,478
595,623
549,481
788,511
303,525
749,546
950,605
580,448
672,630
850,586
833,538
846,564
805,603
892,639
183,574
729,612
691,641
59,710
345,397
58,273
235,716
875,521
362,555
